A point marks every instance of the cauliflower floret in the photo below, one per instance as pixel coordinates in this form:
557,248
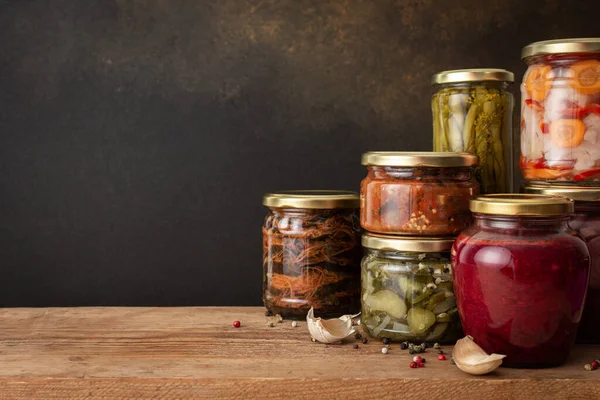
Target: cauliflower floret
558,99
592,122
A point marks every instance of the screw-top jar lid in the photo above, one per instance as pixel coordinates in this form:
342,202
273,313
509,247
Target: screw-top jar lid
561,46
472,75
411,244
418,159
522,205
576,193
316,199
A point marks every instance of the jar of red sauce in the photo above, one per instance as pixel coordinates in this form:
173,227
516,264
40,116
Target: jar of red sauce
417,193
520,278
586,221
560,112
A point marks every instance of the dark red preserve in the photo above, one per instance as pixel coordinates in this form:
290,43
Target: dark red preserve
520,278
586,221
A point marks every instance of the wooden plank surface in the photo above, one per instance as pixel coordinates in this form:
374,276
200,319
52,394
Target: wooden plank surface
174,353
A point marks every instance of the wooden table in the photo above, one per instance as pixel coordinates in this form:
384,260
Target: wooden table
174,353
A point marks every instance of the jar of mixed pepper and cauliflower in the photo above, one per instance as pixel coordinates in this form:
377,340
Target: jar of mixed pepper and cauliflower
560,112
586,221
417,193
407,290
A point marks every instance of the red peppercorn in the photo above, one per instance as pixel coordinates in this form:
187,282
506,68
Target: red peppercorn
441,357
237,324
595,365
417,359
414,365
421,365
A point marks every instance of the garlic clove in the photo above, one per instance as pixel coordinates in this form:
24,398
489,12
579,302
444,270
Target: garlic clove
329,330
472,359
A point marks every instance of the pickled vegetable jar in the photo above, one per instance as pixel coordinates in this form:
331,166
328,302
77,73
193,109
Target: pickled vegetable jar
472,111
585,220
411,193
520,278
311,253
560,112
407,291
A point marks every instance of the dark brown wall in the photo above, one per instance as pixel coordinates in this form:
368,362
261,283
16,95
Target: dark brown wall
137,137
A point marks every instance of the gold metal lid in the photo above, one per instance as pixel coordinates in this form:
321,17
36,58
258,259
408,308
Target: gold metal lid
472,75
316,199
522,204
576,193
413,244
418,159
577,45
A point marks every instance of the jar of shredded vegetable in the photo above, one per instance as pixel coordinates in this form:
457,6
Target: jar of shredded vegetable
560,112
472,112
311,253
586,221
407,290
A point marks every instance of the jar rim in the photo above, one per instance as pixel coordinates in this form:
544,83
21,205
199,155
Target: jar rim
409,244
418,159
577,193
522,205
472,75
561,46
313,199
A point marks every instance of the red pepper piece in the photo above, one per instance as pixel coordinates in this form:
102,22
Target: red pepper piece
534,104
586,174
581,112
544,127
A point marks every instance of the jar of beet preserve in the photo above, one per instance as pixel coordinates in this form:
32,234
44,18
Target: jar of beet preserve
417,193
520,278
560,112
311,253
586,221
407,291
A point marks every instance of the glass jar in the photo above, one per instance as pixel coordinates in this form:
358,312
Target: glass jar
411,193
311,253
472,111
560,112
407,291
586,221
520,278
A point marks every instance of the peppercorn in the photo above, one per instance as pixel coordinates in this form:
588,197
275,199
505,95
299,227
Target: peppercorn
237,324
417,359
404,345
588,367
441,352
436,346
423,360
355,346
365,340
384,350
441,357
420,365
294,324
411,351
413,365
595,365
358,335
386,340
312,339
425,345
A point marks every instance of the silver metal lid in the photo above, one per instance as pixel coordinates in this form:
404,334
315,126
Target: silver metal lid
472,75
576,45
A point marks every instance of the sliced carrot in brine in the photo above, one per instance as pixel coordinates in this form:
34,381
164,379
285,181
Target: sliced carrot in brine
538,82
567,132
586,76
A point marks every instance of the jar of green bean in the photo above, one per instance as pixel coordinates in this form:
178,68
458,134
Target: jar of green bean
472,112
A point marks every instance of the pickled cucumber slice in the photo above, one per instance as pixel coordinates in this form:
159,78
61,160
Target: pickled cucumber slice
387,302
420,320
435,300
444,306
437,332
418,296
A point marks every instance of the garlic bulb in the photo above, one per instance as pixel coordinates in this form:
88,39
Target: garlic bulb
329,330
472,359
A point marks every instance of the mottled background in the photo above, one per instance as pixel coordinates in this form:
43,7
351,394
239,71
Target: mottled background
137,137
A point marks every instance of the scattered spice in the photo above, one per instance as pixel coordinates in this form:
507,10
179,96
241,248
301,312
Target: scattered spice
268,313
386,340
272,324
237,324
441,357
365,340
404,345
421,365
355,346
294,324
423,360
358,336
588,367
441,352
311,258
595,365
417,359
413,365
436,346
384,350
452,361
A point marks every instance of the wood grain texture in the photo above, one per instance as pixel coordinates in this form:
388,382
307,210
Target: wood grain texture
174,353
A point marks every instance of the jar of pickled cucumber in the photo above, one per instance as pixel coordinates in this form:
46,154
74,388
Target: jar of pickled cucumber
472,111
407,291
560,112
